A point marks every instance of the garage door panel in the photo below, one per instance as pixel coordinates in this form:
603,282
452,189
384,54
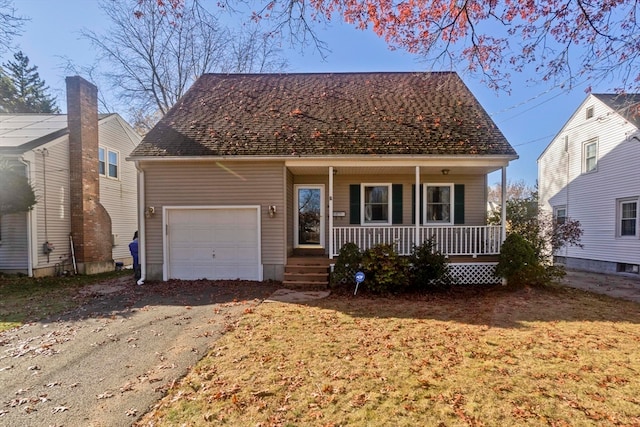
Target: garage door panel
195,235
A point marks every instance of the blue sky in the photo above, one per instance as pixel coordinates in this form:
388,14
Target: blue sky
529,117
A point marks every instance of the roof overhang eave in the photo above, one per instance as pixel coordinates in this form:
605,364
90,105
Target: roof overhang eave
330,160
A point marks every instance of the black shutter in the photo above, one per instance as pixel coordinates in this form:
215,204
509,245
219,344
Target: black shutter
458,207
396,208
354,204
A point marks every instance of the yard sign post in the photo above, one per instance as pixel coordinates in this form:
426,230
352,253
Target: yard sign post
359,279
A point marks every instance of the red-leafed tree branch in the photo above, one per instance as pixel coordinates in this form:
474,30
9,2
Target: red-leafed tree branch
562,40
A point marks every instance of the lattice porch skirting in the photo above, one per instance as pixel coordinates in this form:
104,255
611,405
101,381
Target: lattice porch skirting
475,273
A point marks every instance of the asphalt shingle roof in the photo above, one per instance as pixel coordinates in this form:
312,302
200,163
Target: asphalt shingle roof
627,105
326,114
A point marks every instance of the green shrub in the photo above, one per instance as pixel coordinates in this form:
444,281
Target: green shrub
429,268
519,263
384,269
347,265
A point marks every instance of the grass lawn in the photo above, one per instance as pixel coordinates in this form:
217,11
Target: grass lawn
26,299
493,357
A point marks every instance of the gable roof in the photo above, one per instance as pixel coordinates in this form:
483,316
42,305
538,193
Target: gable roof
326,114
22,132
627,105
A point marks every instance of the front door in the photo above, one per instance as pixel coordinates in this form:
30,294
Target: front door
309,216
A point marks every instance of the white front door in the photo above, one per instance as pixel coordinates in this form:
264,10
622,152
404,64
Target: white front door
213,243
309,216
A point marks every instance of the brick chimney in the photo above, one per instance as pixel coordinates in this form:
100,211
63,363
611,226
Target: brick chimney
90,221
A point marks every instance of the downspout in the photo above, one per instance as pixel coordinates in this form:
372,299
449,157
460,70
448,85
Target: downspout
142,253
27,165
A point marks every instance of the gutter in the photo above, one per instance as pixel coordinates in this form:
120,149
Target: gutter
142,253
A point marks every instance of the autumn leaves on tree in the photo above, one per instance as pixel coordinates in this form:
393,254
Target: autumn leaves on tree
566,42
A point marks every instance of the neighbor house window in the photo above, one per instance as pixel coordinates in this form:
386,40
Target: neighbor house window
108,162
590,155
376,203
628,217
589,112
560,214
101,161
439,198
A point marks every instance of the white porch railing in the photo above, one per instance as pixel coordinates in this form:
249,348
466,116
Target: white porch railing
450,240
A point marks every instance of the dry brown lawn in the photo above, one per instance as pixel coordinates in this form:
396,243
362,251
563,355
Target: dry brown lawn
493,357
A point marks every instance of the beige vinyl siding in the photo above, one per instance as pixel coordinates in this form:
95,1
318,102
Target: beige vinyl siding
216,184
475,193
119,196
591,198
51,176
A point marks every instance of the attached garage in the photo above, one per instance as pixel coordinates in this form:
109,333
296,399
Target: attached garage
217,243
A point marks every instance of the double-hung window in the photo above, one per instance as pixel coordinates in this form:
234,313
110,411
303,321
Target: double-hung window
628,217
376,204
439,201
108,163
590,156
560,214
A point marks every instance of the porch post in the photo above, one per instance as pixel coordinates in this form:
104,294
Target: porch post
417,207
330,212
504,203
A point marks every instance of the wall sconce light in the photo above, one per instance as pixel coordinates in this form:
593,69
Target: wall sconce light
149,211
335,171
272,210
445,171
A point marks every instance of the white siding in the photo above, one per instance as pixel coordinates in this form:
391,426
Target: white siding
51,184
13,246
119,196
592,197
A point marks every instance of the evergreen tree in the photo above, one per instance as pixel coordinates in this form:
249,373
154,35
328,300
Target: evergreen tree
22,90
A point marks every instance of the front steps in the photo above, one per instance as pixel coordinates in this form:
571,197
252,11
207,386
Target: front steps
307,273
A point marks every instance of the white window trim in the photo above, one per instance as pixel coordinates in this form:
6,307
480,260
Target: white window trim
104,151
619,203
107,163
425,203
584,155
558,208
590,112
389,202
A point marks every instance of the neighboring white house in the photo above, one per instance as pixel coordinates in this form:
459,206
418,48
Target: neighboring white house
85,190
590,172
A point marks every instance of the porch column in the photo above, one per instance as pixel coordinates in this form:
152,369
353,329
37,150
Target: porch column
417,207
330,212
504,203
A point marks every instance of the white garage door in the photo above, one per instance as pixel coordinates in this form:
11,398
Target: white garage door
214,243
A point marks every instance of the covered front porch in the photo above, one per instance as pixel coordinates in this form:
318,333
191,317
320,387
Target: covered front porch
398,202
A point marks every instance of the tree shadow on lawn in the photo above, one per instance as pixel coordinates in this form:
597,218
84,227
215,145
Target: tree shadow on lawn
121,297
493,306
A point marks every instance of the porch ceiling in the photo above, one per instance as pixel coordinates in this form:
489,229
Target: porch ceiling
386,170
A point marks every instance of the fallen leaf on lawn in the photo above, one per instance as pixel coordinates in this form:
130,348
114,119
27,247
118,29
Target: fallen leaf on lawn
58,409
132,412
106,395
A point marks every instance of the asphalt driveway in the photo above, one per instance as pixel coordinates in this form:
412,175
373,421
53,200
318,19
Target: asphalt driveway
108,362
